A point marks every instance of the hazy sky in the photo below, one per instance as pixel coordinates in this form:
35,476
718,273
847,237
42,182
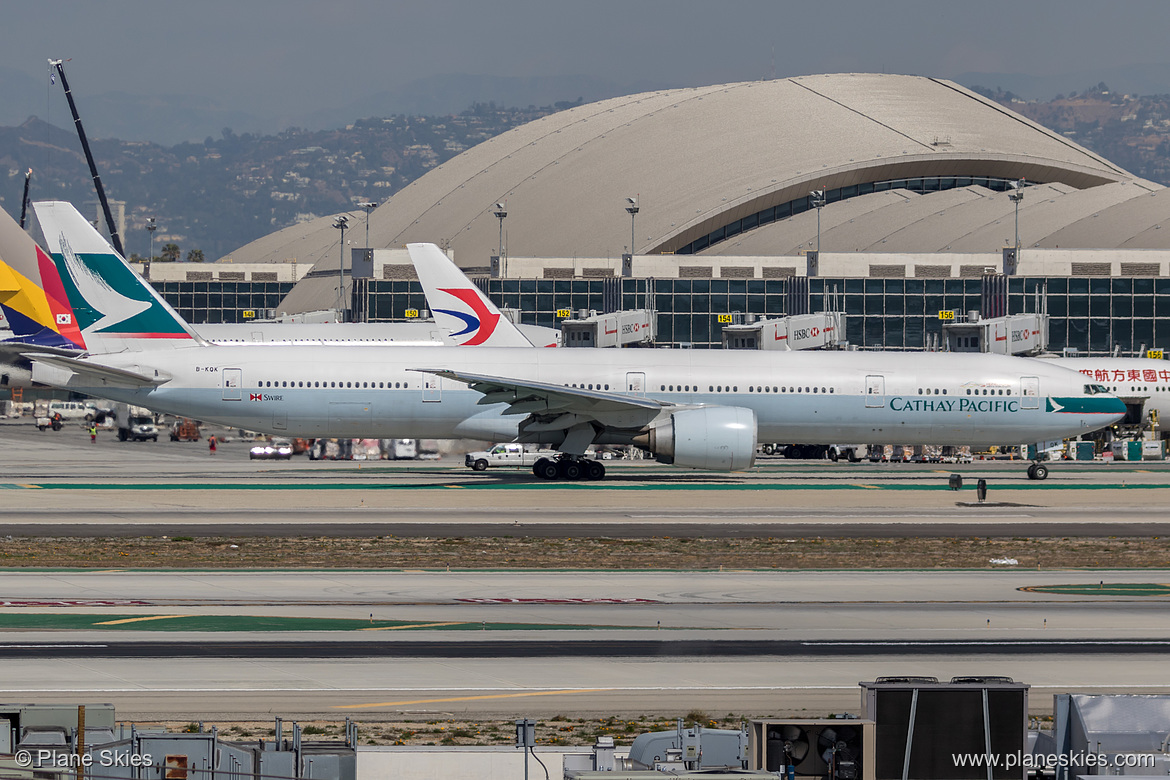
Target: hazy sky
284,59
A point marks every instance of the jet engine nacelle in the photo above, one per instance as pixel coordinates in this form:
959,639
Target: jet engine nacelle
716,438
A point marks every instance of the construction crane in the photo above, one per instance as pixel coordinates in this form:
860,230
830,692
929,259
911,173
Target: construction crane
97,180
24,200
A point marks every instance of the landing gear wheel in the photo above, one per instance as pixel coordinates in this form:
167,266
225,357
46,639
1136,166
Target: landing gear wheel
546,469
1038,471
569,469
594,471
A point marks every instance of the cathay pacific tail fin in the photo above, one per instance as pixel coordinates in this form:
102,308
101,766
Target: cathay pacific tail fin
116,309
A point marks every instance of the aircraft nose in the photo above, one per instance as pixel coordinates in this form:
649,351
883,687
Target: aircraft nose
1115,407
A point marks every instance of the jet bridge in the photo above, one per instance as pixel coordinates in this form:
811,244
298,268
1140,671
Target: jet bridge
1012,334
632,327
822,330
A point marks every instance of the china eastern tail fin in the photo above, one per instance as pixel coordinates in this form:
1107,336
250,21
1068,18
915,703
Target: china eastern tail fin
461,309
115,308
31,293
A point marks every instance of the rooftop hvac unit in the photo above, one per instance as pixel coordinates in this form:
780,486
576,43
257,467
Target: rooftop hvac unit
834,749
689,748
1111,724
921,724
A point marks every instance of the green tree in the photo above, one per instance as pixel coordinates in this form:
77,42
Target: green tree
195,256
170,253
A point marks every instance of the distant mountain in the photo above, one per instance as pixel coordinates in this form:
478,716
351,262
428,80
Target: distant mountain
21,96
163,119
230,188
452,93
1150,79
168,119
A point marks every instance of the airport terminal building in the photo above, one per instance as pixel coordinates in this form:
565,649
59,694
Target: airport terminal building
697,203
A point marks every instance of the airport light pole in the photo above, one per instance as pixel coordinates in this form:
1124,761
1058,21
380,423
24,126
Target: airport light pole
1017,195
341,223
150,228
501,213
368,206
632,210
818,202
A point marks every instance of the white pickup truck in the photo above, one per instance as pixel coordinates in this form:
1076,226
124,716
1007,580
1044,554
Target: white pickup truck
505,455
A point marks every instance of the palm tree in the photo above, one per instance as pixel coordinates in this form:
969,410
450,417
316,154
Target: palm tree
170,253
195,256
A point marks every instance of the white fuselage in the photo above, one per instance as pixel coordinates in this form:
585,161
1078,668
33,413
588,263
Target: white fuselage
912,398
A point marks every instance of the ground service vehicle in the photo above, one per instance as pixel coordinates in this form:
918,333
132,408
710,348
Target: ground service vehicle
185,429
50,421
72,410
504,455
278,449
402,449
134,423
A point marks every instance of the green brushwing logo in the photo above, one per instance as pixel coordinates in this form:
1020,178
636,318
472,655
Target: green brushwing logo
109,298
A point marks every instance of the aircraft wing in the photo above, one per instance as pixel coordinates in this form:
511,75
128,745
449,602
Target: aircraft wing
18,349
525,396
59,370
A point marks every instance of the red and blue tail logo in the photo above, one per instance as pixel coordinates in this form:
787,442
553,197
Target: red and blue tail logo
480,321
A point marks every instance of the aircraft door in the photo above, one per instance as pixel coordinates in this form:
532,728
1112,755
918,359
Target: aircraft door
432,388
636,383
1030,390
280,421
875,391
233,383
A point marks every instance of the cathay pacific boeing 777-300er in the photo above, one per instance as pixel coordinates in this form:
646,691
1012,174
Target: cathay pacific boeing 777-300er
701,409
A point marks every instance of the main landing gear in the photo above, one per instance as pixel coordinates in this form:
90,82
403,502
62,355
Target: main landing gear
569,468
1037,471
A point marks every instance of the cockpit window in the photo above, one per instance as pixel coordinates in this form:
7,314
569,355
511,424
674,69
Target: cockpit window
1095,389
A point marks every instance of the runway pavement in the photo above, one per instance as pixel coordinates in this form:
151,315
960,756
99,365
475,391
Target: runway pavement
60,484
370,644
663,642
246,688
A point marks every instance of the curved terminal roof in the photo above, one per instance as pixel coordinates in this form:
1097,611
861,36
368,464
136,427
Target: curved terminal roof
910,163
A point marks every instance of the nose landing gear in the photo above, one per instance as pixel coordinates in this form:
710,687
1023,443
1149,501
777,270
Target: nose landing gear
1038,471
